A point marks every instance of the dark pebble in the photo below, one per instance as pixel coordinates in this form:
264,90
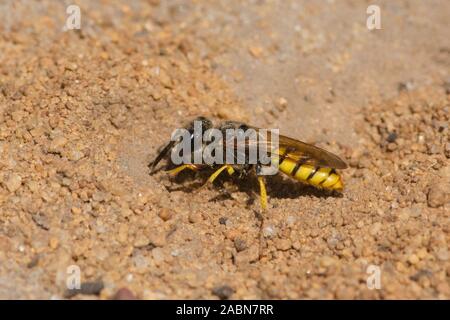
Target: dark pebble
94,288
420,274
405,86
392,137
223,292
34,261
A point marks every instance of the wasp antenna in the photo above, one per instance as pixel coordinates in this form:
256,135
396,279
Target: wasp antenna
152,165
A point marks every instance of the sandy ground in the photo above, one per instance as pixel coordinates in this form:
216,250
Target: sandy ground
84,111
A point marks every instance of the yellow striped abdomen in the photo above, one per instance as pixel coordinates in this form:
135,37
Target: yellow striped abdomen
326,178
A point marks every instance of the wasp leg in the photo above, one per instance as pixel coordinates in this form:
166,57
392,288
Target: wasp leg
213,177
263,192
263,199
178,169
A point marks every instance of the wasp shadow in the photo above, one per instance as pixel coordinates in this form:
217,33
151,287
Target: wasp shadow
283,187
189,181
278,186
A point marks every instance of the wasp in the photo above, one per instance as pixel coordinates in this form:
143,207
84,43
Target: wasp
299,160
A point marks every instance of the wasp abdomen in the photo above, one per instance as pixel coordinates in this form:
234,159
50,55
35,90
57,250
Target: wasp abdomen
320,177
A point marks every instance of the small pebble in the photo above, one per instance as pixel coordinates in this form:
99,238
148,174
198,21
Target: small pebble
413,259
327,261
281,104
94,288
240,244
256,51
57,143
375,229
13,182
75,210
223,292
195,217
391,146
53,243
269,231
283,244
165,214
158,255
124,294
141,241
439,194
442,254
391,137
157,238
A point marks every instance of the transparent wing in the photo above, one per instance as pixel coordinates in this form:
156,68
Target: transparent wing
291,149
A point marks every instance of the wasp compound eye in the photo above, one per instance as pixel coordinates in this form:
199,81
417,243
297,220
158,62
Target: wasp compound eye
204,123
244,127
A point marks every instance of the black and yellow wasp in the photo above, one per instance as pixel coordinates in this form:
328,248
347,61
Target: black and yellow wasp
301,161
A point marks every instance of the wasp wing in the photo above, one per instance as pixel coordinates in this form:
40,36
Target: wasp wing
307,153
290,149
